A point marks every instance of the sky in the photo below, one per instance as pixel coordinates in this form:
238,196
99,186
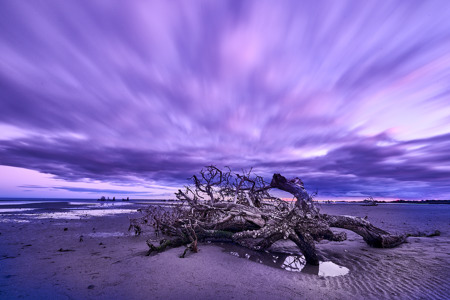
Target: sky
131,98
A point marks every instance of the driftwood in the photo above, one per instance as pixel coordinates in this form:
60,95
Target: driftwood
223,206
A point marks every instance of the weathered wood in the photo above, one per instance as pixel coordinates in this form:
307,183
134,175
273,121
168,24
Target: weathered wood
294,187
372,235
239,209
181,240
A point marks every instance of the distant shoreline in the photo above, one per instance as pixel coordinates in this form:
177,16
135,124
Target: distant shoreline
417,201
390,202
175,200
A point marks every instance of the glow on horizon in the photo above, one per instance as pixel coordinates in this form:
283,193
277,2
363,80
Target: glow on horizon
24,183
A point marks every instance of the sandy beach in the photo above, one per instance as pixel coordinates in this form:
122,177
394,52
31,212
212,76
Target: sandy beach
43,257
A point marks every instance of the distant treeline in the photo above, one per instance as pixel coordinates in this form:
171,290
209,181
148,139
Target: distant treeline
394,201
419,201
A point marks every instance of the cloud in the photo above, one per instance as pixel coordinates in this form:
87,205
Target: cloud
85,190
350,95
94,190
363,166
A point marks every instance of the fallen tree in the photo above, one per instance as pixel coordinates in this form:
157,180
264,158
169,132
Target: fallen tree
224,206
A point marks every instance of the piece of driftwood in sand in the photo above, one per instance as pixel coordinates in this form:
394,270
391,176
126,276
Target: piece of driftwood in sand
224,206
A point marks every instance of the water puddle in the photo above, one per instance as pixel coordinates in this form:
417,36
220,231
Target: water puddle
106,234
82,203
14,210
288,262
83,213
17,202
112,204
13,221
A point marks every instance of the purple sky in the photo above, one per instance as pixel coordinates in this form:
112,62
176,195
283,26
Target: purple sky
130,100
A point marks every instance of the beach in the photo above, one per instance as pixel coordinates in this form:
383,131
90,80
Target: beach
65,250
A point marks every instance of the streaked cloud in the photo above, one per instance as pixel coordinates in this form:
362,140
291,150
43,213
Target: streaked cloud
352,96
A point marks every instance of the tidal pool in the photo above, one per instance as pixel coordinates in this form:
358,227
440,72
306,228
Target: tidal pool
106,234
288,262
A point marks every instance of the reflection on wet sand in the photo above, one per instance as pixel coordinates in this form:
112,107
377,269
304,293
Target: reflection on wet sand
288,262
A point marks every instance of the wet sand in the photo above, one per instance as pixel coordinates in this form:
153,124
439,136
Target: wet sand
41,259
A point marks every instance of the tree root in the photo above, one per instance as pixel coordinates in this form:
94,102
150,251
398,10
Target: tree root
216,209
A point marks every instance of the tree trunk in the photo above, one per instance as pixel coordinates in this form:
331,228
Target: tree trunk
253,226
372,235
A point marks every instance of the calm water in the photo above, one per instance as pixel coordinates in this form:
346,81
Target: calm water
26,210
397,217
286,261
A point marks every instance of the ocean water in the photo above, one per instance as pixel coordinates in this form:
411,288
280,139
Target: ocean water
398,217
394,217
27,210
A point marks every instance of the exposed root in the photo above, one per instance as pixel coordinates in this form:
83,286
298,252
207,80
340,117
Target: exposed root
222,206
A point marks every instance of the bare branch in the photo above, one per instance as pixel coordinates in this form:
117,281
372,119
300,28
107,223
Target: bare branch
221,205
